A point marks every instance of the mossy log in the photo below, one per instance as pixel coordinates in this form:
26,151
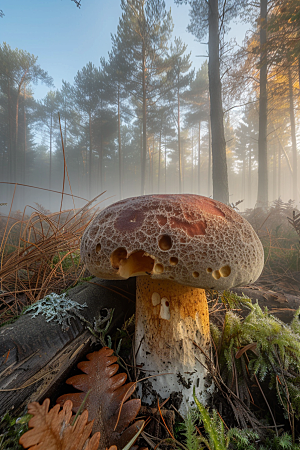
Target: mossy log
36,356
280,304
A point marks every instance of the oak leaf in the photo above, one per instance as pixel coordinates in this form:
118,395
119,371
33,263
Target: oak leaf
107,402
51,430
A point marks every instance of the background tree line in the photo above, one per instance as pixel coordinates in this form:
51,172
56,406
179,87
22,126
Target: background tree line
145,121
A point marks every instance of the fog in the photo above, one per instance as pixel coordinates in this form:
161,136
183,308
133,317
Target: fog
127,123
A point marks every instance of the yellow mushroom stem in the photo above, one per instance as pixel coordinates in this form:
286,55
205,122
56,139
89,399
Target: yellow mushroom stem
170,318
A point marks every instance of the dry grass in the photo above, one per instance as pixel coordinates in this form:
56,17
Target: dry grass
40,254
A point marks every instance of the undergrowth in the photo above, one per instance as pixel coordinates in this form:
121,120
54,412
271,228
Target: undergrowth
204,430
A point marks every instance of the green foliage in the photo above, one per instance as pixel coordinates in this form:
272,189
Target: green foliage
283,442
11,430
264,346
243,439
217,438
189,431
231,300
66,261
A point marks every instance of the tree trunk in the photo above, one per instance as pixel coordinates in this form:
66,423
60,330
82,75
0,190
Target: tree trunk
199,153
219,163
179,144
25,140
209,158
279,170
120,149
159,161
90,156
293,136
144,148
165,165
244,177
11,147
274,174
50,167
151,165
262,193
192,181
249,180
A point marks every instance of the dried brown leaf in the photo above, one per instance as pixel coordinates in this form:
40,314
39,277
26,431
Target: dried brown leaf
107,403
251,346
51,430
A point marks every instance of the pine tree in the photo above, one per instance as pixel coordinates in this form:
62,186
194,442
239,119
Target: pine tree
142,38
179,77
209,17
18,69
86,91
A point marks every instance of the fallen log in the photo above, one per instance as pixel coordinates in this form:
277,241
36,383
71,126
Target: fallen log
280,304
36,355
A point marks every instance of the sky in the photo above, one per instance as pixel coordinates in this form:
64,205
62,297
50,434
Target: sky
65,38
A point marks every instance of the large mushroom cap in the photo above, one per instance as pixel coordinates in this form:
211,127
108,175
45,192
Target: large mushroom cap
188,238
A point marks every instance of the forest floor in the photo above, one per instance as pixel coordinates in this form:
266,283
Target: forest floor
40,255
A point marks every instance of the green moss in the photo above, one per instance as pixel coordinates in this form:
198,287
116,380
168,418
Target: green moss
11,429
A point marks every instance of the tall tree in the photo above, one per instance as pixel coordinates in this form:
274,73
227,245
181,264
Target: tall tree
142,36
197,98
262,191
18,69
47,115
180,77
209,17
86,89
117,74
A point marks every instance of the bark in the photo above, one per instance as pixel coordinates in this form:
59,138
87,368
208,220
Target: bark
199,154
219,163
279,170
151,163
165,165
50,166
120,149
159,162
293,136
11,148
262,193
281,305
25,140
90,156
249,180
179,143
209,158
38,355
144,147
244,177
274,174
299,73
192,181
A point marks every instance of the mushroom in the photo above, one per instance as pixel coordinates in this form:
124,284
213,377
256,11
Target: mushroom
177,246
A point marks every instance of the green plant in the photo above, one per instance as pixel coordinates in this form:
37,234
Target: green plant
11,429
217,437
261,347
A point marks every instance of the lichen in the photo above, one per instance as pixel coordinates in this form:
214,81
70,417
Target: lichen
57,308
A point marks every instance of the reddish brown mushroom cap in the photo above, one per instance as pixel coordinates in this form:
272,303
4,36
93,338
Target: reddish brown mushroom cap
187,238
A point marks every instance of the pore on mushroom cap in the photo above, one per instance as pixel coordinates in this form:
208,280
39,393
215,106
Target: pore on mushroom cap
192,239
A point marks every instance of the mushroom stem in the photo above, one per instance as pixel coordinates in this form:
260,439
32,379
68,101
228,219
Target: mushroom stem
169,318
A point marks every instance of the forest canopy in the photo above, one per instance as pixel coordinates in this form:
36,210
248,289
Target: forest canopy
141,121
